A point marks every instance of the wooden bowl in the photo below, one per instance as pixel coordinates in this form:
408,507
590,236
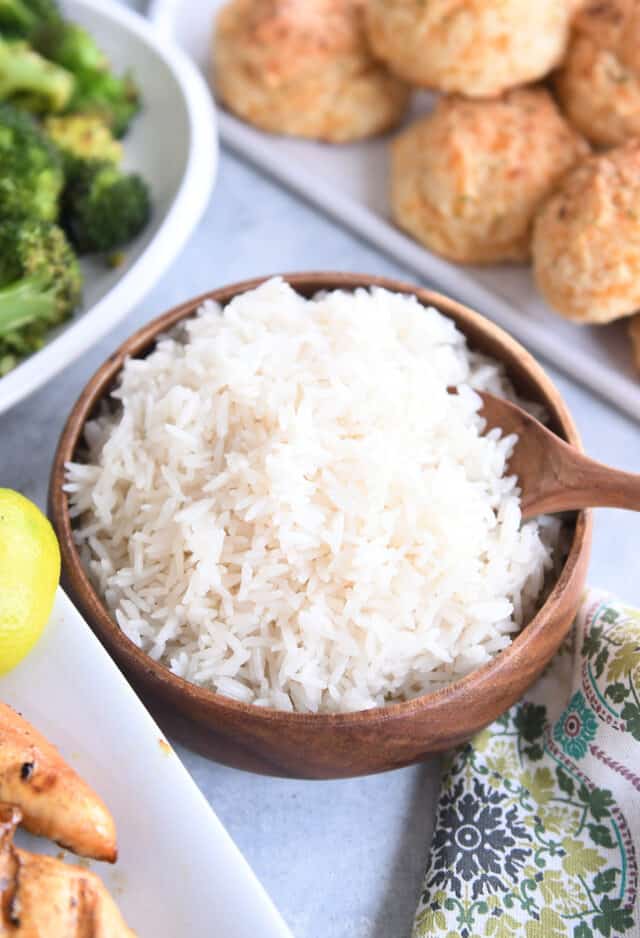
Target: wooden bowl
330,745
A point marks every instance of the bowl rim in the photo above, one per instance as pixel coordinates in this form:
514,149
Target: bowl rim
159,680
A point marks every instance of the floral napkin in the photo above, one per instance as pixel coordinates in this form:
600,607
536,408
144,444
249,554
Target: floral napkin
538,826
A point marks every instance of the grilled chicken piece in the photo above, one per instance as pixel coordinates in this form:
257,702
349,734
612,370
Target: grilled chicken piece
41,897
53,799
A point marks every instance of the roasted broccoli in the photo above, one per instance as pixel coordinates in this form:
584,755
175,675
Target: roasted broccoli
40,285
103,208
70,46
61,109
29,80
31,175
115,100
23,17
98,91
84,137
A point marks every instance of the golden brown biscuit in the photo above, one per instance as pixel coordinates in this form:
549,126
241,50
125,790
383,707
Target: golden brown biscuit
467,180
599,82
304,67
634,335
586,241
478,48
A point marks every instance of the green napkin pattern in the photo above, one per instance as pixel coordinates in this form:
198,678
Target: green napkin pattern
538,825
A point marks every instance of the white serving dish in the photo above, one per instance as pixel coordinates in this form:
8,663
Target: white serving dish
173,143
350,183
178,871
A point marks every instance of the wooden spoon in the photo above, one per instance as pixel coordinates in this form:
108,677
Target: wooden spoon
554,476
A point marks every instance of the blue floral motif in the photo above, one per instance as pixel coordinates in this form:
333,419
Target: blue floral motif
576,728
479,840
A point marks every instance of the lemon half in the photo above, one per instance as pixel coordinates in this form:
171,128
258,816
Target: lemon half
29,575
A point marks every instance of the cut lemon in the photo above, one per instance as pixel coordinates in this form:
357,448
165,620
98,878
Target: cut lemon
29,574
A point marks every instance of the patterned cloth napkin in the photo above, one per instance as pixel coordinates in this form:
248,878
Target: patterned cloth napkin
537,833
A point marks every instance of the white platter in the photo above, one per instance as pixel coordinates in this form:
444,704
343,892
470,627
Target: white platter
178,871
350,183
173,143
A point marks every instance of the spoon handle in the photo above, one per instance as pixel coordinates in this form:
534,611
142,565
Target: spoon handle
570,480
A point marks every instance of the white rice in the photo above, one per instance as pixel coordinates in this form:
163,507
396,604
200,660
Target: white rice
288,507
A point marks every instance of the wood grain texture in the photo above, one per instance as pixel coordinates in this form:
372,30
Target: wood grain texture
331,745
553,475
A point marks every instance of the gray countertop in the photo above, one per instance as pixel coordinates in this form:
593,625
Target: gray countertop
340,859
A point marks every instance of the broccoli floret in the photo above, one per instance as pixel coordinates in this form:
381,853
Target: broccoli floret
22,17
44,10
114,99
40,286
71,46
81,136
31,174
29,80
104,208
16,18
